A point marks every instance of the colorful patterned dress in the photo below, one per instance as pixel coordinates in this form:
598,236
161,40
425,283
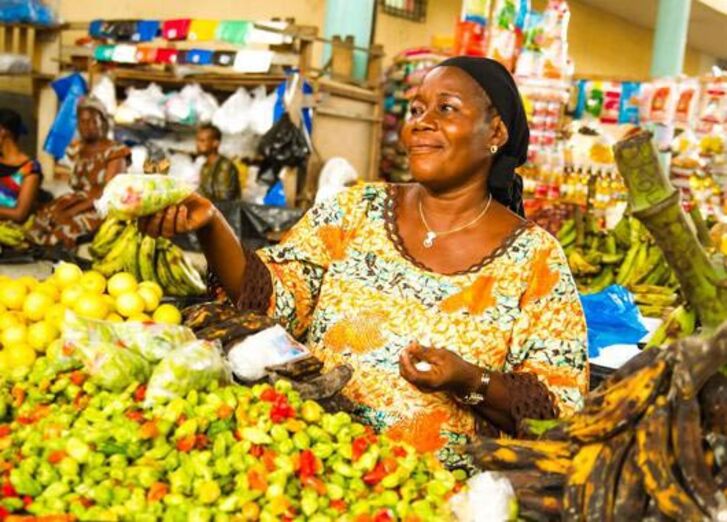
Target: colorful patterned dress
53,226
343,281
11,180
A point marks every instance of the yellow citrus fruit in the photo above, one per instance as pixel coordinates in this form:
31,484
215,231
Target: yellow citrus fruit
121,283
167,313
67,274
150,297
30,282
139,318
70,296
4,366
36,305
129,304
9,319
20,355
13,335
12,295
91,306
93,282
2,308
56,314
41,334
113,317
48,288
153,286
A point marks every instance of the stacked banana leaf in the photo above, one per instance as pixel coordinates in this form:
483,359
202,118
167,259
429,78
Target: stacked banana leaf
626,255
650,444
119,246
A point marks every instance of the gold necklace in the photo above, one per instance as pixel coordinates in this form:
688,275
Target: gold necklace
431,235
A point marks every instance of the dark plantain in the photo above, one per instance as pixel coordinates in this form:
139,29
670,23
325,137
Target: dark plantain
631,498
600,488
549,505
299,369
534,480
236,329
202,315
713,404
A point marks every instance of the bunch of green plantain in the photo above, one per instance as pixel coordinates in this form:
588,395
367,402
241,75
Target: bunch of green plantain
627,256
650,443
119,246
13,235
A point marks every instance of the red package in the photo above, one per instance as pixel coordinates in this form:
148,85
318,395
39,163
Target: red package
168,56
470,38
176,29
146,54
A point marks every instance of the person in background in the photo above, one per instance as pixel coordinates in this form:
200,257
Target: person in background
20,176
219,180
96,160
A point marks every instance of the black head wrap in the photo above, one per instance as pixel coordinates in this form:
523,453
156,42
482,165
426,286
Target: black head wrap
12,122
505,186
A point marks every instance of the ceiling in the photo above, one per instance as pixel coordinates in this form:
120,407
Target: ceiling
707,23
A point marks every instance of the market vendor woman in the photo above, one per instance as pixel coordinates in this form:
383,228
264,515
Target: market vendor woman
455,312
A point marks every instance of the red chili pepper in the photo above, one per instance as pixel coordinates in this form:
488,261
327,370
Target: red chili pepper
360,445
339,505
269,460
269,395
85,502
307,464
26,419
135,415
256,481
314,482
56,456
27,500
399,451
181,419
201,441
148,430
256,451
186,444
376,475
18,394
8,490
281,410
363,518
5,430
77,378
140,393
3,513
157,491
383,516
389,465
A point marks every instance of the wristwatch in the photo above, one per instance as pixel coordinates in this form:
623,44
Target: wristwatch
477,396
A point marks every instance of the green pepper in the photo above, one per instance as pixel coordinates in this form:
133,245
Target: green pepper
286,447
344,469
256,436
109,448
322,451
102,495
309,505
200,514
24,483
68,467
311,411
209,492
78,449
220,426
301,440
334,491
229,503
222,467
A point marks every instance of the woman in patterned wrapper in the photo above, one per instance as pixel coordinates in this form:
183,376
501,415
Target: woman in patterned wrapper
96,160
458,315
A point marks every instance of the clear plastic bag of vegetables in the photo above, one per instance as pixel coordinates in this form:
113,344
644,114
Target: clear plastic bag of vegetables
109,363
129,196
193,366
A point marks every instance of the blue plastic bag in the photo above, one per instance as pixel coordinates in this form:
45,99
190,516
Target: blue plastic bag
26,11
69,90
275,196
612,318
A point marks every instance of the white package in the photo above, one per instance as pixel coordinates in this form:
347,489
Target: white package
233,115
252,61
272,346
105,92
262,110
488,497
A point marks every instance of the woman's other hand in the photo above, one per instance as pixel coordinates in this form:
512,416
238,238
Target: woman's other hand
192,214
446,371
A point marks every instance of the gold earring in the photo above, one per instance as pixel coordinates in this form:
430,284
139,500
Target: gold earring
493,149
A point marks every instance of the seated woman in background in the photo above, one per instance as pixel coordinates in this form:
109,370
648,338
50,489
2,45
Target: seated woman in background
20,176
96,160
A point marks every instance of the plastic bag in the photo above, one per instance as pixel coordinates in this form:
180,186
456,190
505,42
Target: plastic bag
142,104
283,146
14,63
69,90
233,115
153,341
262,110
612,318
250,358
109,363
488,497
182,167
105,92
129,196
193,366
336,175
26,11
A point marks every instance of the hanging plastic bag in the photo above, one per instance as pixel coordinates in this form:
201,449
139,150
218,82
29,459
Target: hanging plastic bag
193,366
336,175
142,104
69,90
130,196
283,146
105,91
26,11
153,341
233,115
612,318
182,167
262,110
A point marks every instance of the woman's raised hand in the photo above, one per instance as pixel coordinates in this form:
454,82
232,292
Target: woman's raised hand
192,214
445,372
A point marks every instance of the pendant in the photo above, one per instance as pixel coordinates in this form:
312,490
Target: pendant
429,239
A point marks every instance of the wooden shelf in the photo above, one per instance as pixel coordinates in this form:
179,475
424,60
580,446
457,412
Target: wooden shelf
227,82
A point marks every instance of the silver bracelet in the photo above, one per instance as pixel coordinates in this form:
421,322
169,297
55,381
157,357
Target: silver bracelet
477,396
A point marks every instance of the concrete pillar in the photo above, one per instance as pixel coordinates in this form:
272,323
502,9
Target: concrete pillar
670,37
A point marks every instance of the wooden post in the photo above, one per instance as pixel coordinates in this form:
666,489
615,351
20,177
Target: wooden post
375,68
15,46
342,58
3,38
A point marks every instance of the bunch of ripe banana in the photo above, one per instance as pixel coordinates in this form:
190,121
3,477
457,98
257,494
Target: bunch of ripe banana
13,235
119,246
626,255
650,443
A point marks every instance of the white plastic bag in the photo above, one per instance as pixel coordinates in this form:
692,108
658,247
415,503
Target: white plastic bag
488,497
142,104
336,175
104,91
129,196
182,167
250,358
233,115
178,109
262,110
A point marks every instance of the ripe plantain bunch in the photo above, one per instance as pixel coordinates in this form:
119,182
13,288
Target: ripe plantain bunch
626,255
650,444
13,236
119,246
